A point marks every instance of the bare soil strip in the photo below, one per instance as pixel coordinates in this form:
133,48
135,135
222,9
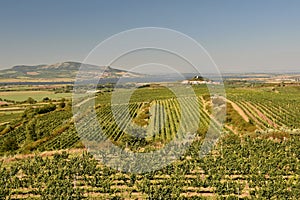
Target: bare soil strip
43,154
261,115
239,110
259,124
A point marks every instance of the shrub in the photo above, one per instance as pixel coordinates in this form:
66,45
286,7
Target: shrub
46,109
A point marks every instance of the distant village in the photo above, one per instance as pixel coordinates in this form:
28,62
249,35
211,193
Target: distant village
288,79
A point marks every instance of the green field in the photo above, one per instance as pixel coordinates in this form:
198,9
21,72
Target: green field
37,95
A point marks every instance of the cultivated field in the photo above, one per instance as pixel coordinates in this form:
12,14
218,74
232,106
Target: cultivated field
256,157
37,95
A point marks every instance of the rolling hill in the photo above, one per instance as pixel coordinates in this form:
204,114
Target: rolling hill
64,70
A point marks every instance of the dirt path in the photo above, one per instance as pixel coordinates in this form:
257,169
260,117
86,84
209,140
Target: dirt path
208,114
4,123
232,129
239,110
42,154
84,101
220,125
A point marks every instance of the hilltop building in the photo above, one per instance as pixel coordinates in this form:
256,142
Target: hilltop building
198,80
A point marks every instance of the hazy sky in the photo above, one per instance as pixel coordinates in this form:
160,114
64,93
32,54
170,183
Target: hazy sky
240,35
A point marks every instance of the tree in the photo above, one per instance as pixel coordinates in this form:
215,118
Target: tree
46,99
30,131
30,100
62,104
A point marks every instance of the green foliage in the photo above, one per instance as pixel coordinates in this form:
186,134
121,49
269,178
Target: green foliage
62,104
260,168
9,144
260,161
47,131
30,100
46,99
46,108
31,134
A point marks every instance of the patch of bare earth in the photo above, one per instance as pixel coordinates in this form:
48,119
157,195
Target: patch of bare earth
258,123
43,154
32,73
239,110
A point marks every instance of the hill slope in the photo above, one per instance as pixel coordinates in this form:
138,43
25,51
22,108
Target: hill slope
66,70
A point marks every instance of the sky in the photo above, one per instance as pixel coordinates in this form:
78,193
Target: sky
240,36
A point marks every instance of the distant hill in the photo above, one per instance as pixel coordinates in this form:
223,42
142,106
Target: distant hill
64,70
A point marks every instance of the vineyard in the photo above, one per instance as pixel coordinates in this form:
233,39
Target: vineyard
163,126
269,109
257,155
237,168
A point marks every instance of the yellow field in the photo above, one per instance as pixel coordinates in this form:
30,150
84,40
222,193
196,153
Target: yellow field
37,95
10,80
